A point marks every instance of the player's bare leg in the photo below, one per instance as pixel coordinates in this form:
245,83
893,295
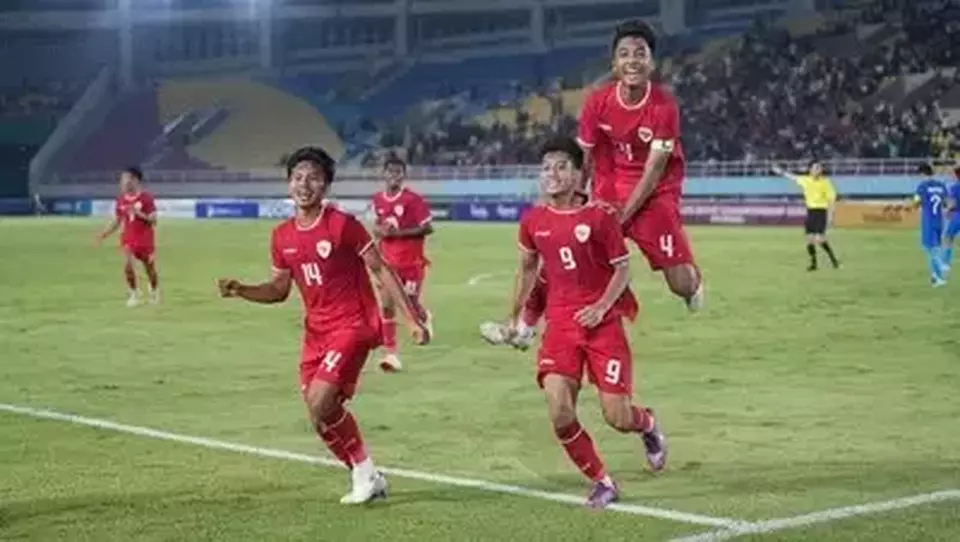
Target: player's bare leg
561,393
153,279
626,417
391,360
338,429
686,282
130,274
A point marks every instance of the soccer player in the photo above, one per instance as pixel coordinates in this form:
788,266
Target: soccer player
953,228
403,222
326,252
819,197
136,212
931,197
631,130
581,252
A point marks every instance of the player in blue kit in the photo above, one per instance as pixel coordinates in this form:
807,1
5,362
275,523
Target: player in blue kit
953,228
931,196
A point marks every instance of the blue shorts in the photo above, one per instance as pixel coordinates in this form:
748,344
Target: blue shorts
931,237
953,229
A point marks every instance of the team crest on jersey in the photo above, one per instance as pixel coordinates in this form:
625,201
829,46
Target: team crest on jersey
645,134
581,232
392,222
398,210
324,248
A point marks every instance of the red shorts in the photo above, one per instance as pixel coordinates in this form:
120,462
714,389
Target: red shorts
336,358
602,352
144,253
411,278
657,230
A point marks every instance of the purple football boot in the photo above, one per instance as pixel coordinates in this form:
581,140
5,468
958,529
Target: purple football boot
603,495
655,443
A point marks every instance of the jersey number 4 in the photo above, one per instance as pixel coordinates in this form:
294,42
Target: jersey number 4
666,245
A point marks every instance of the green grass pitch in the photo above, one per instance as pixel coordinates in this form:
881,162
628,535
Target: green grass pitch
792,393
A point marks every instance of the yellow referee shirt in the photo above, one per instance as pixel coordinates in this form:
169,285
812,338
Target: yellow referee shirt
818,192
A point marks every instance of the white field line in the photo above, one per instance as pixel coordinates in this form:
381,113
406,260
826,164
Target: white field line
823,516
482,485
477,279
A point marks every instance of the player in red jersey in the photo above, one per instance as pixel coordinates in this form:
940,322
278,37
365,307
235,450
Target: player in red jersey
581,252
403,222
639,121
136,211
327,253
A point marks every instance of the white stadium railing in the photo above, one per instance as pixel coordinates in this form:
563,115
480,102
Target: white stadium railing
847,166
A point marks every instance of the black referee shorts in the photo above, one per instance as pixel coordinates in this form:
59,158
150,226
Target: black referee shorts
816,222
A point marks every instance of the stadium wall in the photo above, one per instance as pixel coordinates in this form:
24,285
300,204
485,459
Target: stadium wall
750,212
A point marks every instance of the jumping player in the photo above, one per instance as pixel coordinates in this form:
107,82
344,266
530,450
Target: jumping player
403,222
581,252
136,212
931,197
327,253
632,127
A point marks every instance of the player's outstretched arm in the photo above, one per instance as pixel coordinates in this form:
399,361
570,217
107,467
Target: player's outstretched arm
523,284
780,172
374,262
652,173
108,231
275,290
591,315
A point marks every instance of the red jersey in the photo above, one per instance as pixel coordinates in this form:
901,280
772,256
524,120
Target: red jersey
405,209
578,249
325,259
631,131
136,232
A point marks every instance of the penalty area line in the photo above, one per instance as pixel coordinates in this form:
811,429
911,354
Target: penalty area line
823,516
482,485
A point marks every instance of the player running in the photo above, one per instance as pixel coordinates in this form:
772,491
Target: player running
953,228
327,253
631,130
931,197
581,252
403,222
136,211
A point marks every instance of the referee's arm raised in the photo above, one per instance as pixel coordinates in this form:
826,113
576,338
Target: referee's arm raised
777,170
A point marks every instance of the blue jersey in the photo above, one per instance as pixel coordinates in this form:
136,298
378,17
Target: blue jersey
954,228
932,195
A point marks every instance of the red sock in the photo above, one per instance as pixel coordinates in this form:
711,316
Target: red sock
642,419
335,446
152,274
580,449
343,426
130,275
389,332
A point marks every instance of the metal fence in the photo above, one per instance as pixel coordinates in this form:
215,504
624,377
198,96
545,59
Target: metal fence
847,166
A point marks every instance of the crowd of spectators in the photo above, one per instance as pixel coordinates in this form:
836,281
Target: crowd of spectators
27,99
768,96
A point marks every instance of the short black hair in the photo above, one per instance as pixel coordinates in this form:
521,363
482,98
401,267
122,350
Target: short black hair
925,169
134,171
566,145
317,157
394,160
634,28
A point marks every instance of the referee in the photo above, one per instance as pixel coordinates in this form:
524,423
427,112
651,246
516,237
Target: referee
819,197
